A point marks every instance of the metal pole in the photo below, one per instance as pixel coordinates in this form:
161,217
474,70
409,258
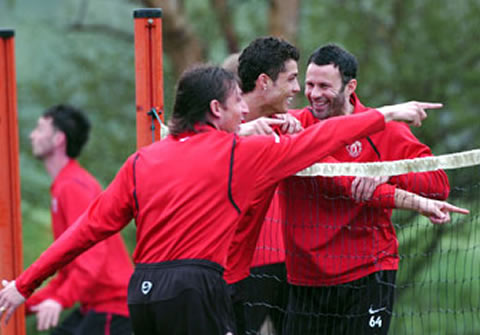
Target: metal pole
11,257
148,73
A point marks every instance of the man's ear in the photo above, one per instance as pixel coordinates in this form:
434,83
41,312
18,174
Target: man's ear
60,138
351,86
215,108
262,81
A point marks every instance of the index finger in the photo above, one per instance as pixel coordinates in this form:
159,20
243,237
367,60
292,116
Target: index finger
430,105
274,121
459,210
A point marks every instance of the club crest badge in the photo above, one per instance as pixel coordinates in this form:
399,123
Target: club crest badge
146,287
355,149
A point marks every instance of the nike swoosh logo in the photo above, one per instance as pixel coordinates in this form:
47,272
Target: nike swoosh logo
374,311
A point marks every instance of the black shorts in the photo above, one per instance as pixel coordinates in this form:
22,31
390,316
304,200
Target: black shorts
264,293
180,297
93,323
362,307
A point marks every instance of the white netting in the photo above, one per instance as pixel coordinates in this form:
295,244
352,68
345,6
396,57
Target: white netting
394,168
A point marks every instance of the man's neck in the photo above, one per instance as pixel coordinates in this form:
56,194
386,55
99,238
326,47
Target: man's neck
256,106
348,108
55,163
349,105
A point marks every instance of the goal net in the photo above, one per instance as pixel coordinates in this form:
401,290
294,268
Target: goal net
331,241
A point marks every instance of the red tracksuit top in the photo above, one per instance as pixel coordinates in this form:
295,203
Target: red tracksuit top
186,193
98,279
270,248
331,239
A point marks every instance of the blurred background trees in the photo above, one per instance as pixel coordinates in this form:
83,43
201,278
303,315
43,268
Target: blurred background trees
81,52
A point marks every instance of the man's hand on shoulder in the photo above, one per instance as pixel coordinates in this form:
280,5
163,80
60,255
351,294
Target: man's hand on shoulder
291,125
260,126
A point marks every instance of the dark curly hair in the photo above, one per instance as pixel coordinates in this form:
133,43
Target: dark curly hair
333,54
264,55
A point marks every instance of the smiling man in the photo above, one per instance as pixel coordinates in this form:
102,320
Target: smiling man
268,73
346,252
98,279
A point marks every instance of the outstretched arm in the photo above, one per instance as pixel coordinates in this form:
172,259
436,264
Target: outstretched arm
412,112
437,211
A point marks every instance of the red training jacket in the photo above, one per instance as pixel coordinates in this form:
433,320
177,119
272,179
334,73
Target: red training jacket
187,192
330,239
98,279
270,248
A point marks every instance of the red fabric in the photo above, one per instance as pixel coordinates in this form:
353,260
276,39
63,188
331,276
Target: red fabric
243,245
108,324
98,279
252,226
179,193
330,238
270,248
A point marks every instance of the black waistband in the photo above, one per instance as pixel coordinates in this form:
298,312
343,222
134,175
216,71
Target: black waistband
181,262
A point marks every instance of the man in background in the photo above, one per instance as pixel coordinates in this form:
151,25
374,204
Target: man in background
98,279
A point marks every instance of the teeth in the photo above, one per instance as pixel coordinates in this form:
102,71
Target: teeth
321,103
289,100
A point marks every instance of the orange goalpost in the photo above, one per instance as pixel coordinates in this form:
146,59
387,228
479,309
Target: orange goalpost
148,74
11,257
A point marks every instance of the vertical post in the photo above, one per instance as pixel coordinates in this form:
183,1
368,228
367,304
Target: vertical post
11,258
148,73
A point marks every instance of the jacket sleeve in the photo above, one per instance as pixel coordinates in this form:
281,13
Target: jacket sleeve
341,186
44,293
107,214
81,273
276,158
79,276
404,145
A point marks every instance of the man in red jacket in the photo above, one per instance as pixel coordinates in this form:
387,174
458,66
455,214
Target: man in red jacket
98,279
268,72
343,252
186,194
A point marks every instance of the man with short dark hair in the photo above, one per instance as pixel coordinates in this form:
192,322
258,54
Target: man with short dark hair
268,75
186,193
98,279
344,249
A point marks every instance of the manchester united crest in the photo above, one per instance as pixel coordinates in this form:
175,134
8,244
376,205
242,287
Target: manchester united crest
355,149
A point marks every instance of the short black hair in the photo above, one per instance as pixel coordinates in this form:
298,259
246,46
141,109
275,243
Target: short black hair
264,55
73,123
342,59
196,88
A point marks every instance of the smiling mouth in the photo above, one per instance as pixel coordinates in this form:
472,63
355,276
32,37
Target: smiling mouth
320,105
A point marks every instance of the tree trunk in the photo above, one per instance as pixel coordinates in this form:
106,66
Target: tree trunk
225,20
283,19
182,46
